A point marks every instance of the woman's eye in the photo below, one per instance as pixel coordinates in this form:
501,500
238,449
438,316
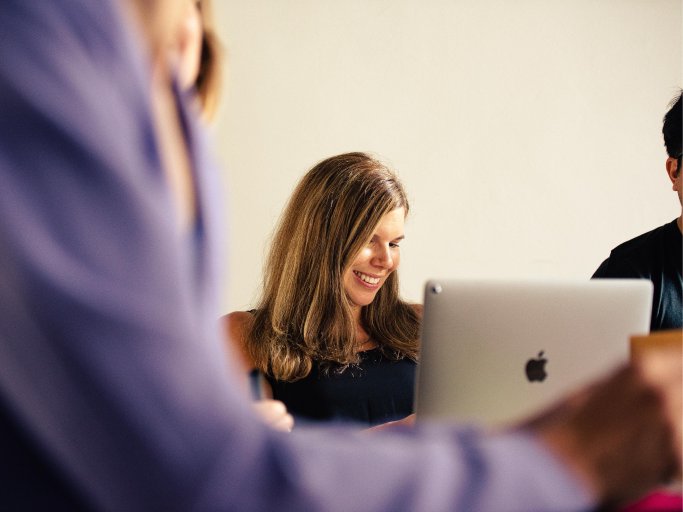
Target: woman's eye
394,244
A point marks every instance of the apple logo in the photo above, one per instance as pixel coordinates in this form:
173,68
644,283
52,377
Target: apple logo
535,368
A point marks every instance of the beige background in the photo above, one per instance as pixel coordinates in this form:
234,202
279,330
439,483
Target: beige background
527,132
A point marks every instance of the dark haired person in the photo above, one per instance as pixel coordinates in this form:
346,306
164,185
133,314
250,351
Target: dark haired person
115,393
657,254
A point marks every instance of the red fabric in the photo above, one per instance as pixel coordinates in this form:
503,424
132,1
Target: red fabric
660,501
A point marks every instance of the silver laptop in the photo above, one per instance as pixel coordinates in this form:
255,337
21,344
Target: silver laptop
494,351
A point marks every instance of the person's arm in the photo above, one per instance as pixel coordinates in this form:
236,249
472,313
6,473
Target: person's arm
110,355
236,326
598,431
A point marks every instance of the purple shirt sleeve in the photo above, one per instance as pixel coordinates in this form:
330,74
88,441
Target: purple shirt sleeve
110,354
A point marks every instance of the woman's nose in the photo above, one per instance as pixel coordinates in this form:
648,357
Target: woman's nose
383,258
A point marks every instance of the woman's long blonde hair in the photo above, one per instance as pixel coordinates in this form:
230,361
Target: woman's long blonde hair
304,313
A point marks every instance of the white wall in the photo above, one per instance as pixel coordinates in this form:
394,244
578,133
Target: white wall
527,132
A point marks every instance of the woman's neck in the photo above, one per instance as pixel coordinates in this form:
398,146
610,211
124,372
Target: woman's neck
363,340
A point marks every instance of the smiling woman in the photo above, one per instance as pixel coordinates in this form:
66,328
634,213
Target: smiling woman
376,261
330,333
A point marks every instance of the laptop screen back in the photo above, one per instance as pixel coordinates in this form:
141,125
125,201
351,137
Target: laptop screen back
494,351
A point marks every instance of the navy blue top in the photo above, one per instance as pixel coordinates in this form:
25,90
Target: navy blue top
374,391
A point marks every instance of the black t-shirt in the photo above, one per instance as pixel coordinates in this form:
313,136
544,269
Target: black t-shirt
374,391
657,256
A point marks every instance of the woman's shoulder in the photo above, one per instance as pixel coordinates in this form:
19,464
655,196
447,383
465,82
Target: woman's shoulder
417,308
238,322
236,326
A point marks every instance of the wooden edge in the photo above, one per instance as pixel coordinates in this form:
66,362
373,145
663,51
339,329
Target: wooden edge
670,339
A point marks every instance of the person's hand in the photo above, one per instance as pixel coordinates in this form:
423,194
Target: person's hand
274,414
408,421
663,367
622,436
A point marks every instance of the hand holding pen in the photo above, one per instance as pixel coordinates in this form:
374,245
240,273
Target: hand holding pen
272,412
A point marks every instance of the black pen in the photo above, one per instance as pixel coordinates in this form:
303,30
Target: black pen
255,387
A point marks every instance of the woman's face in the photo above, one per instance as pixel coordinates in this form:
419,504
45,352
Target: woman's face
377,260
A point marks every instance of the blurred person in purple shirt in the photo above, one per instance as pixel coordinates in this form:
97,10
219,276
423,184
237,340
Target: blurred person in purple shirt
114,389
